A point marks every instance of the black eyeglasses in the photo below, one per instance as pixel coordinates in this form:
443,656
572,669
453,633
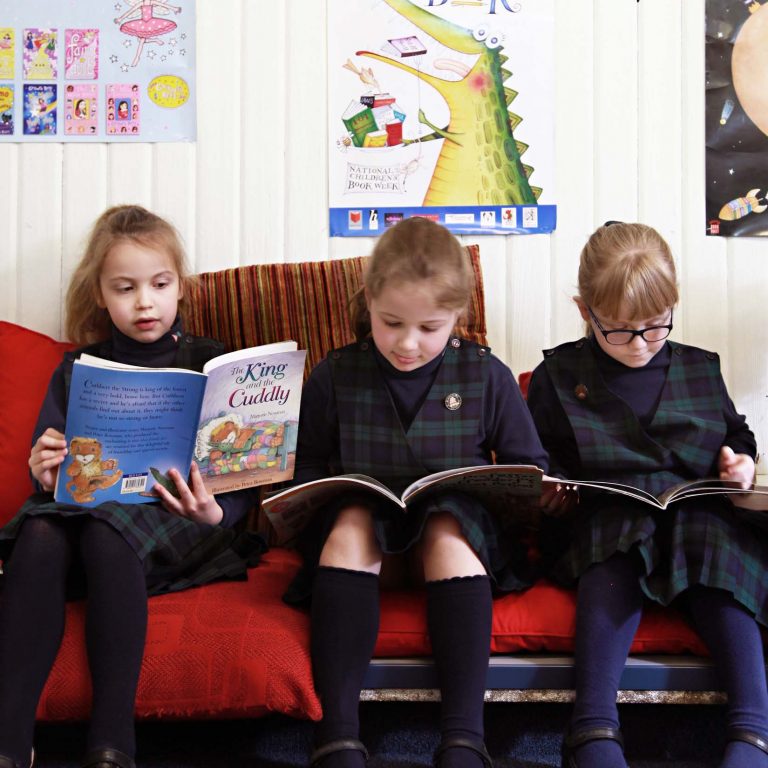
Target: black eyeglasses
620,337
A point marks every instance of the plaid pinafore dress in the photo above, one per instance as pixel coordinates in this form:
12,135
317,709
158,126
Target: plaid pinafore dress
697,541
176,553
374,442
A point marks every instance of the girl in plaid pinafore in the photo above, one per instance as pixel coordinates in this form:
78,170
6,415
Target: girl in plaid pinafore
125,294
627,405
407,399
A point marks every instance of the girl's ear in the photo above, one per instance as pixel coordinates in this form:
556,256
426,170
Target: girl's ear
583,311
99,299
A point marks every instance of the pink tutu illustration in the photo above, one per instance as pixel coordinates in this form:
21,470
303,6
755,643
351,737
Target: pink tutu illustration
145,25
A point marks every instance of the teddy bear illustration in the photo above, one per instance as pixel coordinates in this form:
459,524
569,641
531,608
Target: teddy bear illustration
88,470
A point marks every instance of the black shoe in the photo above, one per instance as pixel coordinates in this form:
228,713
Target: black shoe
107,758
741,734
337,746
457,741
573,741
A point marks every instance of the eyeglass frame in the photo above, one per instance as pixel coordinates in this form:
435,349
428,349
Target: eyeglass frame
641,332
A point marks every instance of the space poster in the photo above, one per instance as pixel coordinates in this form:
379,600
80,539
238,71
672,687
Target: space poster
443,109
97,71
736,117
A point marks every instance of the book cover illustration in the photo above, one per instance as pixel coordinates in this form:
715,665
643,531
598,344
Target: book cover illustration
40,110
123,109
81,54
457,128
40,54
80,110
249,420
7,53
6,110
122,424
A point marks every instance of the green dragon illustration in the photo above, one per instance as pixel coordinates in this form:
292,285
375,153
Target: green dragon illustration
480,157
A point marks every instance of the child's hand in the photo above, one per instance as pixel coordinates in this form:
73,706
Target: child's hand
194,500
737,468
558,500
47,454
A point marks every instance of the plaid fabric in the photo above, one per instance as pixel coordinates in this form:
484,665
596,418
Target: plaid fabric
373,442
371,437
681,443
697,541
305,301
710,545
176,552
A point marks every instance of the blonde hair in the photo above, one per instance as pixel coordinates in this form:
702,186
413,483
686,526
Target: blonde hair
627,267
86,321
415,249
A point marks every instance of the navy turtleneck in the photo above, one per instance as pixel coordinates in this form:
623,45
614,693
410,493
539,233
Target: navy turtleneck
155,354
640,388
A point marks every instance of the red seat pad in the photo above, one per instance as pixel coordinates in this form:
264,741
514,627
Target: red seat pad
227,650
542,618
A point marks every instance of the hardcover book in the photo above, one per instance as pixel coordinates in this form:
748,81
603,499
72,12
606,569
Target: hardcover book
127,426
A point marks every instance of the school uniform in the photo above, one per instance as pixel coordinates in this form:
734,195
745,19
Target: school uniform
649,427
359,414
176,553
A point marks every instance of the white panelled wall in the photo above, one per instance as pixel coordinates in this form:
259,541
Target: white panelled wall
629,126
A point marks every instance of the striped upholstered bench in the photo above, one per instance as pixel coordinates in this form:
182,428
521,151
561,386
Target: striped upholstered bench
234,649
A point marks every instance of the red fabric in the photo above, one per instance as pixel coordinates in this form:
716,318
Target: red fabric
540,619
524,379
29,359
226,650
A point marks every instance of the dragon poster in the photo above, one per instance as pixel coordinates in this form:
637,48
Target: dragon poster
97,70
441,108
736,117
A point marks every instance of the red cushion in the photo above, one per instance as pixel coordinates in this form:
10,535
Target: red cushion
542,618
29,359
227,650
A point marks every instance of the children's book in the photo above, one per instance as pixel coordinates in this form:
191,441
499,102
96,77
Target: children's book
504,488
359,121
127,426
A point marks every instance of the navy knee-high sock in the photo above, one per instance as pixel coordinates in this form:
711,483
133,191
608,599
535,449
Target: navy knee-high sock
115,632
459,620
31,627
608,611
344,627
733,638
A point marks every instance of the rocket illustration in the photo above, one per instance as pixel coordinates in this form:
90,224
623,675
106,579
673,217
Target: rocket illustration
741,206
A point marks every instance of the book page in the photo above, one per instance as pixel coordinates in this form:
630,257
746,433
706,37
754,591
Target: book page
289,510
249,421
124,426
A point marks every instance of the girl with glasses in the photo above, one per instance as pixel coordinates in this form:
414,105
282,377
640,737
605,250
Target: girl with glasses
625,404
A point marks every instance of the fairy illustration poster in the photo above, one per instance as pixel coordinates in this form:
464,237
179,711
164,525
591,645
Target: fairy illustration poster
426,117
736,118
141,49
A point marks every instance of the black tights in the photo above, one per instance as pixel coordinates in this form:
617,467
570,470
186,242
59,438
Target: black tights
32,625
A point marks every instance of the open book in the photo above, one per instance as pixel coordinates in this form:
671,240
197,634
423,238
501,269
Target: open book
501,487
506,489
127,425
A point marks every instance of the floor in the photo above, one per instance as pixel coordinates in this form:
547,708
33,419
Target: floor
404,736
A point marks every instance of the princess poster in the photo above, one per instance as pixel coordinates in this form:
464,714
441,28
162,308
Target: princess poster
140,54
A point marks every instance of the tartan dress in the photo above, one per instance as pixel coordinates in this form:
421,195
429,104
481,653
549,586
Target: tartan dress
176,553
374,442
696,541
